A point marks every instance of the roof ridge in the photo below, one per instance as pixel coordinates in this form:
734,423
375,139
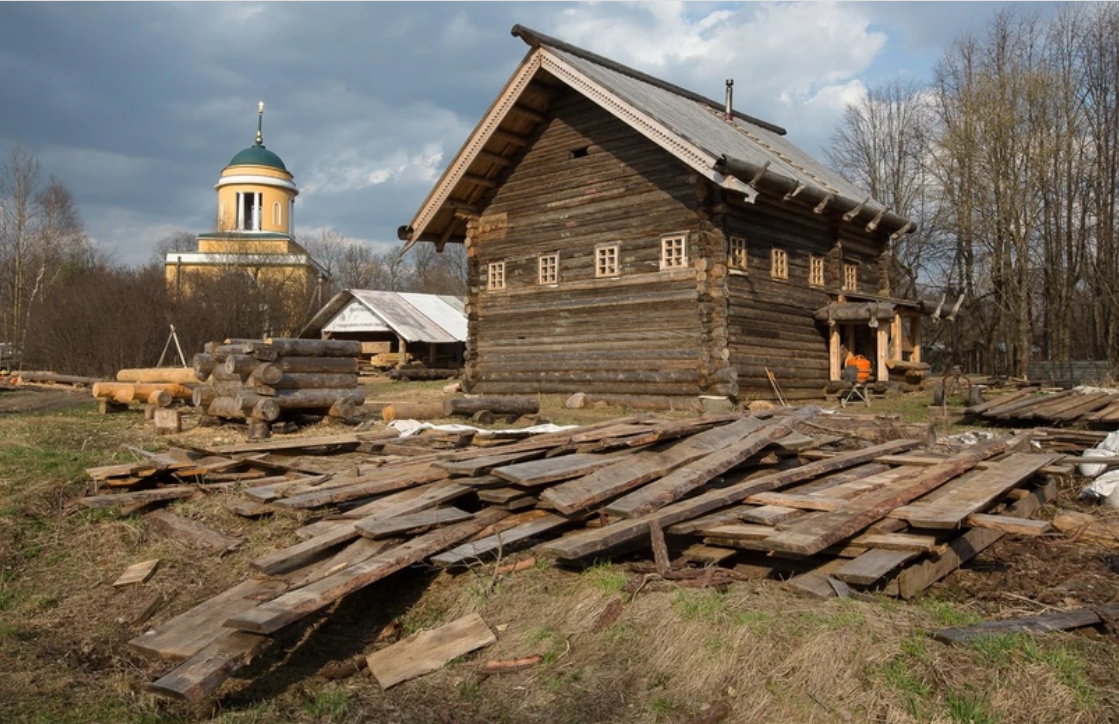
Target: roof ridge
535,39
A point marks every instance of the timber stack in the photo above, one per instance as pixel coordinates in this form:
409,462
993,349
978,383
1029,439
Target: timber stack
261,382
786,493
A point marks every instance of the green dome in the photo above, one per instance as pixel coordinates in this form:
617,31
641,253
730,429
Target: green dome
258,155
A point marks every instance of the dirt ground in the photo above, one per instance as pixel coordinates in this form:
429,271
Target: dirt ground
751,651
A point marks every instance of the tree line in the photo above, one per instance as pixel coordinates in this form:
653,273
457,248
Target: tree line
68,306
1008,161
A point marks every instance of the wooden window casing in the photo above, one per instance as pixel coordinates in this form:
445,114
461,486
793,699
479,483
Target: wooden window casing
548,269
737,259
606,261
674,251
496,276
851,277
815,271
779,264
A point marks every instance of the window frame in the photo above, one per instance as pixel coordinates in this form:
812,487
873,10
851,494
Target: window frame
779,263
601,252
816,276
850,277
541,262
738,256
674,251
495,276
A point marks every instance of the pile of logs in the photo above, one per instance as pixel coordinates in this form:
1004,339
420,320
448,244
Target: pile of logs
262,381
713,499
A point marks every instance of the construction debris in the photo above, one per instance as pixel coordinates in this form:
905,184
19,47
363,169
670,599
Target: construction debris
1081,405
774,493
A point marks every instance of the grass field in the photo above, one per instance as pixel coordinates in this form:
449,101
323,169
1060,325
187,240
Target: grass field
753,650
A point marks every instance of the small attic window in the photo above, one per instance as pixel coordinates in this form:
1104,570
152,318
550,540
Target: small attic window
580,152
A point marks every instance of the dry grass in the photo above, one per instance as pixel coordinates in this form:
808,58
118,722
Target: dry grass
767,654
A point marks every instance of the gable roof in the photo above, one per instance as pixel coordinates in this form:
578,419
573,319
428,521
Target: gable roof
434,318
742,154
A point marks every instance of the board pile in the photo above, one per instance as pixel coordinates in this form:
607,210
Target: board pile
761,494
1093,406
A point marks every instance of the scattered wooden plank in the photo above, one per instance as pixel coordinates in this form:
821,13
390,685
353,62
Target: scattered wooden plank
385,528
200,676
1042,623
579,545
709,555
190,531
814,536
539,523
1017,526
171,492
294,605
481,465
191,631
638,468
147,608
427,651
137,573
551,470
873,565
923,574
750,437
249,508
980,492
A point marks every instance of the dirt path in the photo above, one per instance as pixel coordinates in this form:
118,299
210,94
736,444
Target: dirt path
40,399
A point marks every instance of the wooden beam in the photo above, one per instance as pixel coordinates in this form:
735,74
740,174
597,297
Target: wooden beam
823,204
495,159
507,137
876,220
477,180
855,211
529,113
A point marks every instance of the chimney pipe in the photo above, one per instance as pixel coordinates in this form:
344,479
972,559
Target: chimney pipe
730,100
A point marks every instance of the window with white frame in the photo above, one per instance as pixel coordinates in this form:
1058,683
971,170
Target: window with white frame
851,277
779,264
816,271
737,256
674,251
249,210
548,269
496,279
606,261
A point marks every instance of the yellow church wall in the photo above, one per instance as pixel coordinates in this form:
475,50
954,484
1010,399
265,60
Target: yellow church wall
270,197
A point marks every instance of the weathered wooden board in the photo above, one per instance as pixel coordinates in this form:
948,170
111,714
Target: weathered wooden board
921,575
137,573
190,531
873,565
1017,526
171,492
294,605
427,651
200,676
188,633
1042,623
498,543
980,492
550,470
578,545
641,467
812,536
387,527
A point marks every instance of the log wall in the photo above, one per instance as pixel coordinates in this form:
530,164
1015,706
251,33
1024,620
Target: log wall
586,180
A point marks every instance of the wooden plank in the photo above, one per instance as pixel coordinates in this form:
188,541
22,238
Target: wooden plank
294,605
364,487
713,555
873,565
550,470
191,631
626,474
980,492
798,500
385,528
501,496
813,536
190,531
752,438
1006,524
427,651
482,465
137,573
920,576
171,492
579,545
501,542
406,502
200,676
1042,623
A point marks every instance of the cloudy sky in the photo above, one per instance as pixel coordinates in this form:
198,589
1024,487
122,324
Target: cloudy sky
137,107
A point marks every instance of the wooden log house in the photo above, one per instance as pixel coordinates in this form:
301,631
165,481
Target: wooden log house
629,237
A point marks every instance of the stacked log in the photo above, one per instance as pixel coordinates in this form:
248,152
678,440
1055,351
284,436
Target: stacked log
261,381
157,394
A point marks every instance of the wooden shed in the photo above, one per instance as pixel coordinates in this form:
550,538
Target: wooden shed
626,236
430,328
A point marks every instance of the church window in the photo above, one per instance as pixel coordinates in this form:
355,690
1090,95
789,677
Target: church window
277,214
248,211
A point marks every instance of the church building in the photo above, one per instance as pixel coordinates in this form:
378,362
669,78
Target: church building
254,229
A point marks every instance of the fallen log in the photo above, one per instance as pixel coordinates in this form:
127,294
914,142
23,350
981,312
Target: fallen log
412,411
124,392
468,406
181,375
311,347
